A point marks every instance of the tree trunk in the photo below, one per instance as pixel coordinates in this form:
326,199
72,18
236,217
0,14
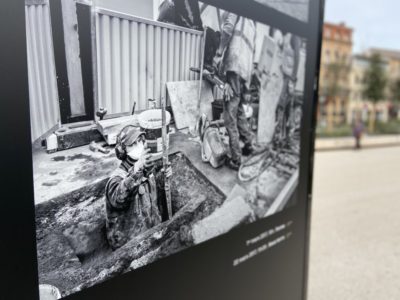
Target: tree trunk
372,119
329,115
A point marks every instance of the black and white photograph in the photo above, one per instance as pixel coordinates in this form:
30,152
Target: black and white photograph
295,8
156,126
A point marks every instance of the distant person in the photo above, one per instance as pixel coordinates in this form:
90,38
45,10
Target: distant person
358,130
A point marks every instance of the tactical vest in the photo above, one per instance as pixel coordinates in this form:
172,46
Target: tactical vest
239,55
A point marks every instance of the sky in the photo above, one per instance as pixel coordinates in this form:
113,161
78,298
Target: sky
376,23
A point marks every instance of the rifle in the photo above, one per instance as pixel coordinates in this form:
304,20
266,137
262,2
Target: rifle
210,77
167,183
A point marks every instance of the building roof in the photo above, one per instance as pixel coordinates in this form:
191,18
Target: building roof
338,32
393,54
341,26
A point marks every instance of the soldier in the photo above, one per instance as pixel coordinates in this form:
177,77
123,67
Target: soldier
290,64
134,200
235,55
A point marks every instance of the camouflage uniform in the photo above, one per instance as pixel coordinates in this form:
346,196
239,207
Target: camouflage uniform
235,120
237,68
132,205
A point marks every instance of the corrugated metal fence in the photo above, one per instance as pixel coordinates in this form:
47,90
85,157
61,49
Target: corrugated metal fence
43,94
136,57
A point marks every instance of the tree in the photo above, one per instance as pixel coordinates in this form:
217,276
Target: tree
375,83
336,80
395,94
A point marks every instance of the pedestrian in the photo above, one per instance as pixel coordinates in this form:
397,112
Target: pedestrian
358,130
235,57
135,199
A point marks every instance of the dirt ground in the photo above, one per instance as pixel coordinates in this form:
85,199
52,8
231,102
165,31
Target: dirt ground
84,209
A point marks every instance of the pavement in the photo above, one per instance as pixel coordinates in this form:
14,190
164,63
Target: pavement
368,141
355,231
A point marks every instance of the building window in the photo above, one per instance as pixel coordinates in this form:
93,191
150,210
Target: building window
327,33
327,56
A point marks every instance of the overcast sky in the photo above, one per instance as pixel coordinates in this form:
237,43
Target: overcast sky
376,23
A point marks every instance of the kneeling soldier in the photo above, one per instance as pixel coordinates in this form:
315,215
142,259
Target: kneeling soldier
135,200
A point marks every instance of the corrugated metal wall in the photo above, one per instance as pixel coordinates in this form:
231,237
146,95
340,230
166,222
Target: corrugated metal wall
43,94
136,57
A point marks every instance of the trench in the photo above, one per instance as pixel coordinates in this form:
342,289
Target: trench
72,249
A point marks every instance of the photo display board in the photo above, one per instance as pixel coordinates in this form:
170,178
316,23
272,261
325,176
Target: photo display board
170,148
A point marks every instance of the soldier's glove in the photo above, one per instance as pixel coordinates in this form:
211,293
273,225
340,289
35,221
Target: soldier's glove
228,92
135,173
167,172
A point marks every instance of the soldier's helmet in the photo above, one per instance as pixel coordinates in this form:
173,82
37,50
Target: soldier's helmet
127,137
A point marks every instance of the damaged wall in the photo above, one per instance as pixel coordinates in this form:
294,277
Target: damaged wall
136,57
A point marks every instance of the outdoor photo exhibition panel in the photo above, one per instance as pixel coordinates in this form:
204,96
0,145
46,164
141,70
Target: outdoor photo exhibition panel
295,8
171,147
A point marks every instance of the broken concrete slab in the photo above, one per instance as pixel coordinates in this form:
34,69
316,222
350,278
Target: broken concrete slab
198,199
269,184
232,213
283,198
184,96
270,93
72,136
110,128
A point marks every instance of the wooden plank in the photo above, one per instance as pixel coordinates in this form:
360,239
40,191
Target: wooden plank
57,30
284,196
77,136
72,50
270,93
95,61
301,72
233,212
183,96
84,17
110,128
267,54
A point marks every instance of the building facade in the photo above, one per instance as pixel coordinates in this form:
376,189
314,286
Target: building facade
392,57
334,89
359,106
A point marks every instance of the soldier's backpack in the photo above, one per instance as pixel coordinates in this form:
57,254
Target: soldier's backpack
213,149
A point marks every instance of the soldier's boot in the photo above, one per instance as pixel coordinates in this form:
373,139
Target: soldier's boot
234,165
248,149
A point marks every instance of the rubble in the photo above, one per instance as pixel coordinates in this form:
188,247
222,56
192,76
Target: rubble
71,227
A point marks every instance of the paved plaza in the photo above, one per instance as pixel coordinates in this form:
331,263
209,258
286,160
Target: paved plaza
355,231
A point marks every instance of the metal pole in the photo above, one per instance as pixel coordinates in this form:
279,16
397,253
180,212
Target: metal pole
167,184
